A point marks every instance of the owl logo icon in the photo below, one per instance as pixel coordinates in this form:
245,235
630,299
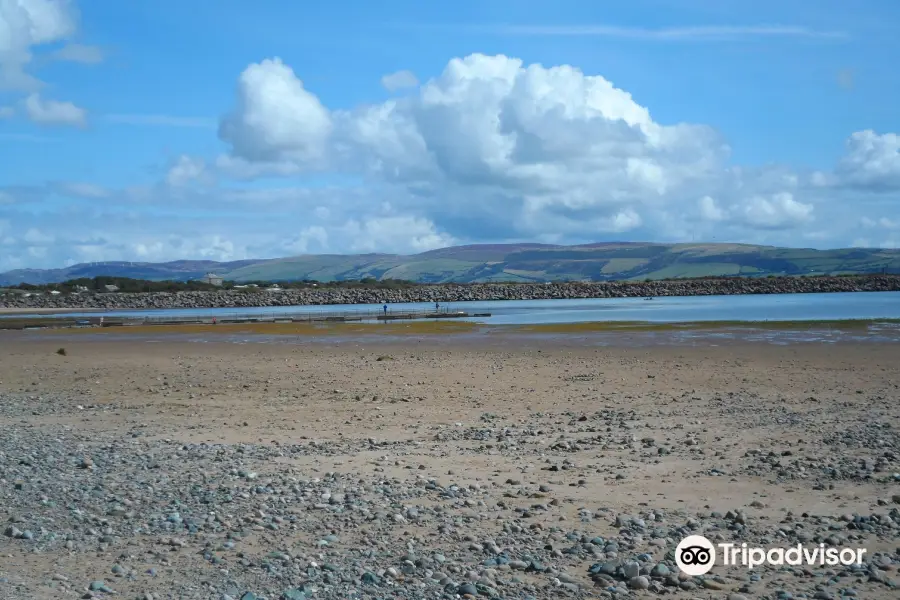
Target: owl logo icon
695,555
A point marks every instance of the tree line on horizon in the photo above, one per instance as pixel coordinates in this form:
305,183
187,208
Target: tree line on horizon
129,285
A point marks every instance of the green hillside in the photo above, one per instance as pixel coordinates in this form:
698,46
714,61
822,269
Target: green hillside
595,262
509,262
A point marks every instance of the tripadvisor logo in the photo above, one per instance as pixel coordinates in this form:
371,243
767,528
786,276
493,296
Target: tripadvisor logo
696,555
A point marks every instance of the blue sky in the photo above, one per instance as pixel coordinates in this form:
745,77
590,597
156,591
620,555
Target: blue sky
156,130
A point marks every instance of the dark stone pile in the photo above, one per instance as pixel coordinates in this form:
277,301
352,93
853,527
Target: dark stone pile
457,293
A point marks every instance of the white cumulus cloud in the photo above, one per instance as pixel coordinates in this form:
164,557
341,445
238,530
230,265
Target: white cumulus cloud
393,234
53,112
399,80
25,24
186,170
275,118
780,211
490,137
872,161
882,222
709,209
37,237
310,240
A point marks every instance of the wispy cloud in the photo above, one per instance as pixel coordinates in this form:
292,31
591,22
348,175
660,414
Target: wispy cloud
162,121
79,53
81,190
708,33
24,137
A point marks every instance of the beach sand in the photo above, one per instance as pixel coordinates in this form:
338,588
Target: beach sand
544,439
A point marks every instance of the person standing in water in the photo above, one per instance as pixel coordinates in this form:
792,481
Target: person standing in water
385,309
437,306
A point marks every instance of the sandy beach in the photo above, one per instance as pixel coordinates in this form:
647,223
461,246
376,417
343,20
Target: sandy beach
358,469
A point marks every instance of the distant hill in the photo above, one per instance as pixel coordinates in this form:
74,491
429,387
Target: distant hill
504,262
180,270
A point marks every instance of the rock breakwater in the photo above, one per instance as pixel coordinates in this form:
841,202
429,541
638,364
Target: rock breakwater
455,293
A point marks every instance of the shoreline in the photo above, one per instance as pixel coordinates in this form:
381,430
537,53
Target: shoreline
455,293
444,328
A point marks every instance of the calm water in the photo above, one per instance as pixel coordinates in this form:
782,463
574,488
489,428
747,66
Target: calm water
774,307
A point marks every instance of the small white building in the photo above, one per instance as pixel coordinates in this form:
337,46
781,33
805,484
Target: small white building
212,279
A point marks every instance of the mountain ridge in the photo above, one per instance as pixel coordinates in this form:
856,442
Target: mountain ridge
525,262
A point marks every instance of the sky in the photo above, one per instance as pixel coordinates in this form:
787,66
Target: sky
154,130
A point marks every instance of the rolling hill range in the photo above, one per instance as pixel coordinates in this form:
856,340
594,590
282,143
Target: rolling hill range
504,262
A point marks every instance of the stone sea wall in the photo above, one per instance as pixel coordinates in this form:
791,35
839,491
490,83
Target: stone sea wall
457,293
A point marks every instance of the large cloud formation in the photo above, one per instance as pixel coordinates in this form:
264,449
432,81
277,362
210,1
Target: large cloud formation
486,121
490,150
495,147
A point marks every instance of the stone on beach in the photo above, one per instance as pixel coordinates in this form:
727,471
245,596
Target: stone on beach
232,470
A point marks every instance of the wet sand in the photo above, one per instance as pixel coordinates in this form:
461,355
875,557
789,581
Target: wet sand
126,370
438,410
465,334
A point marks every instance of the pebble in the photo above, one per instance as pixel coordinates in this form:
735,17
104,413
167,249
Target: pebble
174,519
631,569
639,583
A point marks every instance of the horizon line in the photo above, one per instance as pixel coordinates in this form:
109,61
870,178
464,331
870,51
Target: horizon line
144,262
